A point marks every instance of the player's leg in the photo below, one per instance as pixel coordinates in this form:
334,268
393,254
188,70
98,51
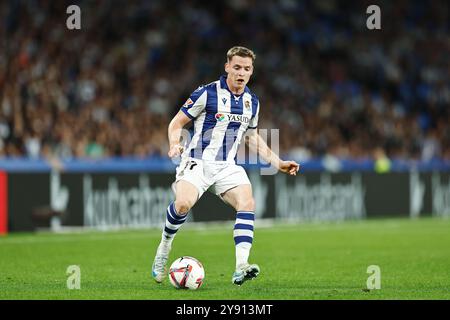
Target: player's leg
233,186
241,199
189,187
186,195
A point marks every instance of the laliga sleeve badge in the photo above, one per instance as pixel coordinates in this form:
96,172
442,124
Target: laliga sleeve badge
188,103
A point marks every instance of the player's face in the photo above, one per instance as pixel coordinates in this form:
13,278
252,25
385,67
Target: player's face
239,70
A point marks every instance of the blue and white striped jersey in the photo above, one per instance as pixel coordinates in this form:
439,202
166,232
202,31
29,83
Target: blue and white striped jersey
220,119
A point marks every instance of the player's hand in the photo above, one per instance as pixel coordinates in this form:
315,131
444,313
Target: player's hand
289,167
175,151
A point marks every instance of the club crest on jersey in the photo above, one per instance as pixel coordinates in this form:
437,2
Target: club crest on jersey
232,117
247,105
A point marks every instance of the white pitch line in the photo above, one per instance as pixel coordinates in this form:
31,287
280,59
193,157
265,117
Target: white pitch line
77,234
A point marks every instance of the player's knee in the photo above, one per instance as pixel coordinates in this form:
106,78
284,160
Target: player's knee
182,206
247,204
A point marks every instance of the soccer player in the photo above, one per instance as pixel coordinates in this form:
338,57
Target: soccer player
222,112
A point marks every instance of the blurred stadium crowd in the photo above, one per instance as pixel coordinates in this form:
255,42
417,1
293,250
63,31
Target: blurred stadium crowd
329,84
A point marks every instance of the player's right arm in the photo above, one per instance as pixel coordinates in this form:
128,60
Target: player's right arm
174,132
189,111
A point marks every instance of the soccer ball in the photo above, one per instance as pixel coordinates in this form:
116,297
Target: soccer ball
186,273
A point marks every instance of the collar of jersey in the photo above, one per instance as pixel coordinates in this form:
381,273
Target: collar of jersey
223,85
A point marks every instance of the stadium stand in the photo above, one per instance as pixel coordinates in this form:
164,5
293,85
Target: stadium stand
332,87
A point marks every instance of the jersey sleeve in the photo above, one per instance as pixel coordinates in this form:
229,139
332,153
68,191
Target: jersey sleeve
253,124
196,103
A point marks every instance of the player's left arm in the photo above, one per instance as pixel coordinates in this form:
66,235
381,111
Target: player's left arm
258,145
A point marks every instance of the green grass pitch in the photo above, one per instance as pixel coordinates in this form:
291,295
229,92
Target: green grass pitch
302,261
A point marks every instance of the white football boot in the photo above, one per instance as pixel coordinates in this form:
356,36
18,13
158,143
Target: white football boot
246,272
159,270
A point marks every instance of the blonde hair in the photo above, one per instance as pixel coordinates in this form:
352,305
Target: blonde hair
241,52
